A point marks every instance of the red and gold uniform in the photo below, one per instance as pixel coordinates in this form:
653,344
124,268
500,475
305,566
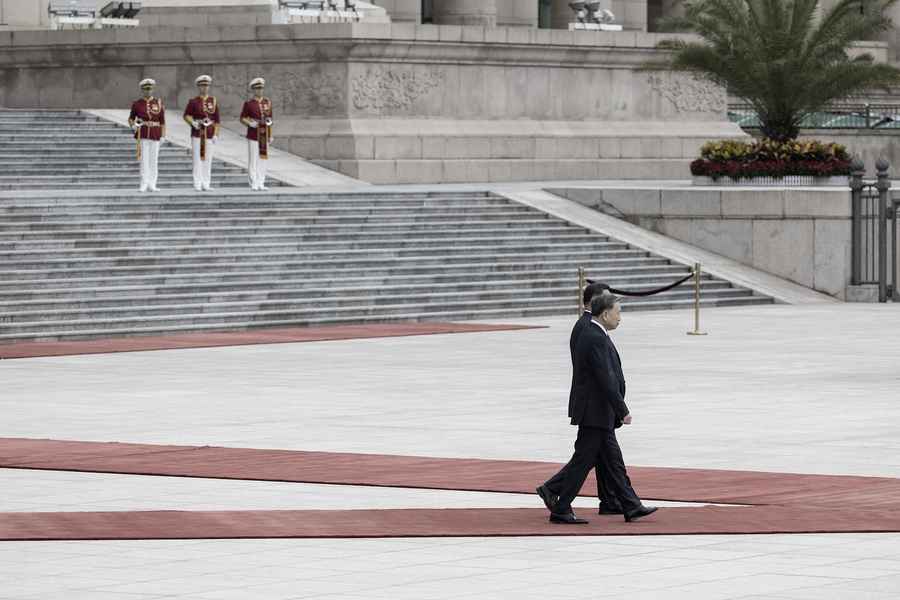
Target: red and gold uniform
148,120
257,115
202,114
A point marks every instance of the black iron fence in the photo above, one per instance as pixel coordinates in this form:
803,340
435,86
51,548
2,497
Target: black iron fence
875,255
838,116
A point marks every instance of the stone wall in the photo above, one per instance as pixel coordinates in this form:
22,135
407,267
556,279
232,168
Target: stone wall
803,235
402,103
868,144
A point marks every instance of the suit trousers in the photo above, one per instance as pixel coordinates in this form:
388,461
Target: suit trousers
555,484
202,168
594,447
256,166
149,164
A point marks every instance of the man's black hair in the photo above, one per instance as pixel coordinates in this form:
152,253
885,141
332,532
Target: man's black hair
601,302
591,290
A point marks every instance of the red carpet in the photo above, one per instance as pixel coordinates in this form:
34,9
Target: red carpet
659,483
429,523
242,338
785,503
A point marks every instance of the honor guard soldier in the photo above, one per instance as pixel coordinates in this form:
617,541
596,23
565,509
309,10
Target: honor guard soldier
202,114
257,116
148,121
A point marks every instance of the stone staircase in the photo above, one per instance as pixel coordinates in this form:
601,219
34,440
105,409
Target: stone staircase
64,150
113,264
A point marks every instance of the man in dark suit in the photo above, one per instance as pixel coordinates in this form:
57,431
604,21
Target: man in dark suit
598,408
549,491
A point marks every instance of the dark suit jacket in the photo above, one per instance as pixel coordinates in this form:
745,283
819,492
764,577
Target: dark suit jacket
583,321
599,382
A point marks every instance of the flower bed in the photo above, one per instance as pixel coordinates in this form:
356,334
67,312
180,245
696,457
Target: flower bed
768,159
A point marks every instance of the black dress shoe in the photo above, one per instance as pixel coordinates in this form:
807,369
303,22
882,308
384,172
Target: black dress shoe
567,519
606,509
639,513
547,496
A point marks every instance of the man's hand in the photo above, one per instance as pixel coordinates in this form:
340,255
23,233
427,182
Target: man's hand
627,419
252,123
195,124
214,139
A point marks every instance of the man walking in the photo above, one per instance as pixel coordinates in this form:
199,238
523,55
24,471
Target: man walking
257,116
550,490
202,114
598,409
148,121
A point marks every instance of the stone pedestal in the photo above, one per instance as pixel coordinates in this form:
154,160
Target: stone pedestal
400,103
862,293
465,12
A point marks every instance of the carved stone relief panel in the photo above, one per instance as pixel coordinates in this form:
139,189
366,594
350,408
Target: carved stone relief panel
313,92
689,92
391,90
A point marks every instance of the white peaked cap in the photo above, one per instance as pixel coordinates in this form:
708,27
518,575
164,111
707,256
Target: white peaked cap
258,82
203,79
148,82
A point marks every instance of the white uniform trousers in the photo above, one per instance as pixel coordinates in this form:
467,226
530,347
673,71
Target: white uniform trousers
256,166
202,168
149,164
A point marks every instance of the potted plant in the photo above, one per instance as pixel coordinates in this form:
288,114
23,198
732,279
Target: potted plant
787,59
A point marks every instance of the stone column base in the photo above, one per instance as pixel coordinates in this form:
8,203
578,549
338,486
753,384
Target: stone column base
862,293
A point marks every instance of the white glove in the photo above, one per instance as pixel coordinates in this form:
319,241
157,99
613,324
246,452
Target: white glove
195,124
135,127
254,124
214,139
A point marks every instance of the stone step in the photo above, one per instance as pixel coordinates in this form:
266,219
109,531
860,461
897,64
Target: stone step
163,184
654,269
373,195
37,290
111,177
124,185
111,146
8,223
312,232
280,200
68,231
347,258
307,242
121,164
203,219
82,138
477,264
123,169
301,309
96,264
347,248
57,119
350,317
326,295
92,213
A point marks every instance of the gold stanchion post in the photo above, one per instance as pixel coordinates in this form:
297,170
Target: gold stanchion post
696,330
581,286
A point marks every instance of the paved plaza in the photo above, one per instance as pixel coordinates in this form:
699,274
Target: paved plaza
789,389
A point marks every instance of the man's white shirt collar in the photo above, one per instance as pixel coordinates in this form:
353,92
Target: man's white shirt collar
600,325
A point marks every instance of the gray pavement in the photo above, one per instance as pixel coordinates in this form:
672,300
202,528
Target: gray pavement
809,388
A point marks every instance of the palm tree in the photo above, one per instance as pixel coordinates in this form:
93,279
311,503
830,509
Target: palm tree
782,56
